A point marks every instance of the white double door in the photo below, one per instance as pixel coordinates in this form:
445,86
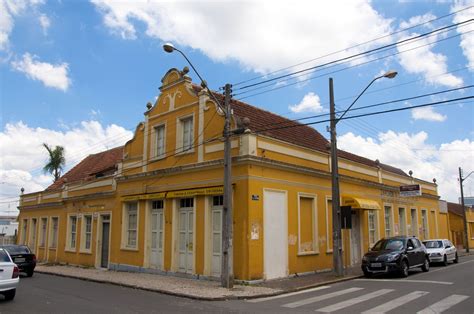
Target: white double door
186,239
156,238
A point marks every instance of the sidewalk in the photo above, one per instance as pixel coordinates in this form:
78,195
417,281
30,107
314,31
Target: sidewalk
196,288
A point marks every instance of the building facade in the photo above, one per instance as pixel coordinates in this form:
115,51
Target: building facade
155,204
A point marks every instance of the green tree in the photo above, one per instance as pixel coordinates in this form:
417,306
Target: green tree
56,161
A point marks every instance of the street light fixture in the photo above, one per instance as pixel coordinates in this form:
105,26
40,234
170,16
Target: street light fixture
336,209
227,266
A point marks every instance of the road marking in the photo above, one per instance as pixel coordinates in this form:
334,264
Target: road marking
444,304
446,268
320,297
396,302
350,302
407,280
287,294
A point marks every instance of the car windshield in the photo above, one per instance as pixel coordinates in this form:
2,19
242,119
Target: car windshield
17,249
4,256
389,244
433,244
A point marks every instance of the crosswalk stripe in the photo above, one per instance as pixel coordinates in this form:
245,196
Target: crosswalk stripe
396,302
320,297
287,294
350,302
444,304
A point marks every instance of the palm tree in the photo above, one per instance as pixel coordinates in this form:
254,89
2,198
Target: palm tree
56,161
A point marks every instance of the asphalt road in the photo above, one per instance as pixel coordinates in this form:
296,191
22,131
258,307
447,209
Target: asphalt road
449,288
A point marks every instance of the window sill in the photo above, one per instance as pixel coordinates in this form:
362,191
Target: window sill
329,252
129,249
153,159
186,152
309,253
70,250
52,248
85,252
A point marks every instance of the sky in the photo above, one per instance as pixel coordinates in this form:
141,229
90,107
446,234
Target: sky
80,73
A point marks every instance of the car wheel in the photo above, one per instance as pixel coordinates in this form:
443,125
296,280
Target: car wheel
367,274
404,269
445,260
29,273
456,259
426,265
10,294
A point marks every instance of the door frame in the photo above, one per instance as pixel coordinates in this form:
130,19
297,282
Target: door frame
287,262
98,239
175,235
146,258
361,214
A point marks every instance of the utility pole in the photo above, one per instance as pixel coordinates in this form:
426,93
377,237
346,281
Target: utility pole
461,180
227,276
336,208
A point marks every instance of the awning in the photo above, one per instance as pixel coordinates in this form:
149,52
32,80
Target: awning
357,202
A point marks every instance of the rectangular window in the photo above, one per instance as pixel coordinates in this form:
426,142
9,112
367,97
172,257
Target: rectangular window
471,229
44,224
307,225
329,225
372,227
131,219
424,224
187,129
160,141
414,222
24,229
54,233
402,221
72,232
86,233
388,221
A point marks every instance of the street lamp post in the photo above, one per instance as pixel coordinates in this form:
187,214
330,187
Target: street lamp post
227,268
461,180
336,208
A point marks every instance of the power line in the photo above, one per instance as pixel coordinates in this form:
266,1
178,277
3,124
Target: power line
352,47
335,71
356,55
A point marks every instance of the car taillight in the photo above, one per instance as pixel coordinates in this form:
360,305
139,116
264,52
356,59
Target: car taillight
34,258
16,272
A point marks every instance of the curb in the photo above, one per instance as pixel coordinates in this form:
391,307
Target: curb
194,297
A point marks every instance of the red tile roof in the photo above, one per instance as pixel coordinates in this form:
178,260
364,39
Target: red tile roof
456,208
273,125
91,167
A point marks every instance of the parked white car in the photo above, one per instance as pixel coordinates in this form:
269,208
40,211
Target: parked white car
9,275
441,251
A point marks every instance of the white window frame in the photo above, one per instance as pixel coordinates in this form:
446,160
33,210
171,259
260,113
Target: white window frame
314,211
156,154
43,232
84,233
426,231
180,149
417,233
372,212
52,238
400,222
328,211
390,229
126,245
71,234
24,231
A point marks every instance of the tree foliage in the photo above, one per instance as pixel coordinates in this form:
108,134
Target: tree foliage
56,161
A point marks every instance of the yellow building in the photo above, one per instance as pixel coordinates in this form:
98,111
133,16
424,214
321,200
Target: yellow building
456,224
156,204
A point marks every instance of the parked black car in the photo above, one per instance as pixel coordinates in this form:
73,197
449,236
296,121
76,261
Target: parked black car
395,254
22,257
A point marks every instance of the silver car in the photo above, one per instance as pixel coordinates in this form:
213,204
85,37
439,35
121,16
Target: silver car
9,275
441,251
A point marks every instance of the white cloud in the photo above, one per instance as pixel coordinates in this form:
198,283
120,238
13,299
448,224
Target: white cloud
415,20
9,9
24,156
45,23
309,103
50,75
427,113
467,40
425,62
412,152
227,30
